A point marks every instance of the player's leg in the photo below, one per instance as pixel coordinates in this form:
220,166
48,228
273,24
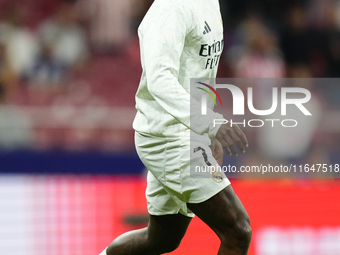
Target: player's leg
163,235
226,216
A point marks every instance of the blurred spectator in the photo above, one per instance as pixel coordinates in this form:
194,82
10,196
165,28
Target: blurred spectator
332,34
234,11
320,11
328,50
109,23
48,71
19,43
297,38
62,37
257,54
63,47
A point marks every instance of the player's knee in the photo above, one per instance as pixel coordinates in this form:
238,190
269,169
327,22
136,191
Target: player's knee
239,234
244,231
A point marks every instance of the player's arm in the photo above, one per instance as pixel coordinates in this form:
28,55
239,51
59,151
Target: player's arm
163,41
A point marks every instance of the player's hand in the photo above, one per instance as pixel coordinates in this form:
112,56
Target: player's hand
217,151
230,137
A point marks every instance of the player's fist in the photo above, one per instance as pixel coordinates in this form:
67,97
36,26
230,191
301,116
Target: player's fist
231,136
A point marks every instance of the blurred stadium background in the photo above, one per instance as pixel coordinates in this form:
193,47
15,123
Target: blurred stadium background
70,179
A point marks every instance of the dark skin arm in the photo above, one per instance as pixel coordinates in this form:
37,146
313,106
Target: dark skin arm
229,137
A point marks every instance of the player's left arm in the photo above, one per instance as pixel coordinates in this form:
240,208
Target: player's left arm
217,151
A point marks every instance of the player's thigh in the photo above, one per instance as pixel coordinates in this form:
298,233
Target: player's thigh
168,228
223,213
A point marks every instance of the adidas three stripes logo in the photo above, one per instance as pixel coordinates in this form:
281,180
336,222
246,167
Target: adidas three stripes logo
207,28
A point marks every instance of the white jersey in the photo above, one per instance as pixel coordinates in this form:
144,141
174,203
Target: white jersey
179,40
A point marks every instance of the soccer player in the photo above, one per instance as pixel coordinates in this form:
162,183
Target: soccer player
179,40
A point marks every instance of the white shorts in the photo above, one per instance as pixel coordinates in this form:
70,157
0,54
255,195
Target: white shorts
169,184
